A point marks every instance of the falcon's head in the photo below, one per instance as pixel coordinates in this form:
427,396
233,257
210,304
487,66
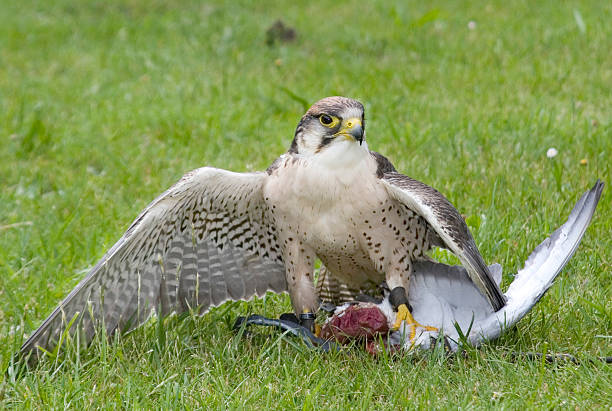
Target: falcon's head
331,123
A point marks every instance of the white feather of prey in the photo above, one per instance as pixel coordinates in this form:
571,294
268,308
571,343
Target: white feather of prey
444,297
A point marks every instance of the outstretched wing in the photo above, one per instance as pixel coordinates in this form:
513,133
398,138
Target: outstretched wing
206,240
450,227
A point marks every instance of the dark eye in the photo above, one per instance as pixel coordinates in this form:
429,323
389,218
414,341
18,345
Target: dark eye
325,120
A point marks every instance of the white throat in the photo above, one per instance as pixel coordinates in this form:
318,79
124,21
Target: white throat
344,161
344,154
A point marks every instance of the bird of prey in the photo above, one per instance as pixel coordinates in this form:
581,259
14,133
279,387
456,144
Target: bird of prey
217,235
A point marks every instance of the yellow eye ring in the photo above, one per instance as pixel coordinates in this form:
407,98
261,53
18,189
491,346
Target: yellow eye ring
328,121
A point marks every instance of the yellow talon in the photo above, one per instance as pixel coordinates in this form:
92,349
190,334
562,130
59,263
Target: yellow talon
403,314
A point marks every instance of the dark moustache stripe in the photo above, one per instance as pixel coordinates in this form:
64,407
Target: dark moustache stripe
325,142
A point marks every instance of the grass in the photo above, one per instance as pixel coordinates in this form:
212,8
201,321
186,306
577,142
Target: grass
105,104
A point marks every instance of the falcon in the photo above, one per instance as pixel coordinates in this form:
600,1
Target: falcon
218,235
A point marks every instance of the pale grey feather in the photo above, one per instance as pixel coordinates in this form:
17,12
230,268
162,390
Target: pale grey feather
541,268
206,240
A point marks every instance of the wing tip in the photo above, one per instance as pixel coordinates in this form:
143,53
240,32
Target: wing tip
598,189
492,291
498,300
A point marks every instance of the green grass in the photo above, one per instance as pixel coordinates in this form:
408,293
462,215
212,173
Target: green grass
103,105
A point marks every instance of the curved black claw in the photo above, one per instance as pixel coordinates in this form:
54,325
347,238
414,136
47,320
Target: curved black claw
311,340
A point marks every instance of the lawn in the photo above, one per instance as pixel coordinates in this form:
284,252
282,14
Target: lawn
103,105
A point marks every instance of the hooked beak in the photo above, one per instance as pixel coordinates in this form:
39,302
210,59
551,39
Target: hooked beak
352,128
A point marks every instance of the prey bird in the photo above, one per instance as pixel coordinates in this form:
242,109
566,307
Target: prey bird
217,235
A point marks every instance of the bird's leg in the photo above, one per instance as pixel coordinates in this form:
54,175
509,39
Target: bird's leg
398,280
299,263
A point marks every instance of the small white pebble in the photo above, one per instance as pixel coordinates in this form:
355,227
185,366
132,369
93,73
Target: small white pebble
551,152
471,25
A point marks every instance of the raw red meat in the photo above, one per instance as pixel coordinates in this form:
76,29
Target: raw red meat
356,322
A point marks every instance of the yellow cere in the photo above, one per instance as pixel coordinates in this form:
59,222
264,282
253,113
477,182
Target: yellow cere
352,122
347,126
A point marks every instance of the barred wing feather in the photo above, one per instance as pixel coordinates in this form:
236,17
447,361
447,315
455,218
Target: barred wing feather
206,240
450,227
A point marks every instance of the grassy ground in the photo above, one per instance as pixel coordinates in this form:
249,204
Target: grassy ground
105,104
